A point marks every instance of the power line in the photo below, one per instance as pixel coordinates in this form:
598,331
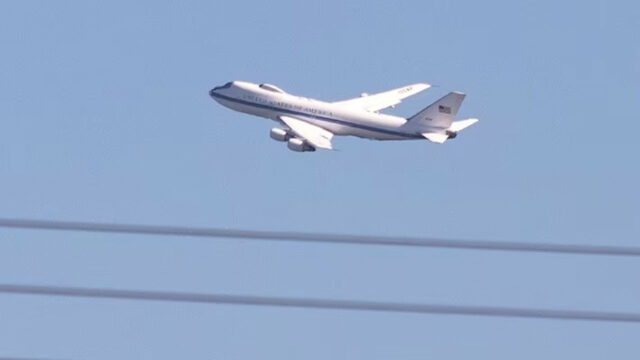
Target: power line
21,358
289,302
320,238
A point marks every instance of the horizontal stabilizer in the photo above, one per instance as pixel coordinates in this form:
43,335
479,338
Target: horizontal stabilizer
462,124
436,137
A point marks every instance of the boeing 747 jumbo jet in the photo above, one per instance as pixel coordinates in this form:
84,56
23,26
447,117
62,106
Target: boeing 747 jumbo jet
309,124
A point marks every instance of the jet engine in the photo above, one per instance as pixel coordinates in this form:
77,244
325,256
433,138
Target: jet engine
279,134
299,145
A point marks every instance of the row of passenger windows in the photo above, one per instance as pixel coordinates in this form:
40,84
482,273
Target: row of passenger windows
284,105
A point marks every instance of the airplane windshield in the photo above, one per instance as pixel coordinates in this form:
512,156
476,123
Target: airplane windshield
225,86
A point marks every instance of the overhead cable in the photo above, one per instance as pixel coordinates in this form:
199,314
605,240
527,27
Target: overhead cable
310,237
291,302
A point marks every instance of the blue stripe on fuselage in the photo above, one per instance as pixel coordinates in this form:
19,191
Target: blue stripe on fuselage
322,118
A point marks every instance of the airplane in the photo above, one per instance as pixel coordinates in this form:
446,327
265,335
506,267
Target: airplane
308,124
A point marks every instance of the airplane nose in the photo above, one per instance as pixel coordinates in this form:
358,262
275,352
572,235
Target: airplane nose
213,92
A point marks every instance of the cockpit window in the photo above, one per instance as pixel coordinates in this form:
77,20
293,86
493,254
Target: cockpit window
271,88
225,86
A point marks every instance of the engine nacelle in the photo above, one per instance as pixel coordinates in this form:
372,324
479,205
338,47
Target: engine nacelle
279,134
452,134
299,145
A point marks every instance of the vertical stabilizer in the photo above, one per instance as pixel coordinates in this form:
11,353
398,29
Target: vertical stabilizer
440,114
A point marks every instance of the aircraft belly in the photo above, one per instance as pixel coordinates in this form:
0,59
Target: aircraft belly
337,129
378,135
356,130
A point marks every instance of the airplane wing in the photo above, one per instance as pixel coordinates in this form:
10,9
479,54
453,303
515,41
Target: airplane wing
314,135
385,99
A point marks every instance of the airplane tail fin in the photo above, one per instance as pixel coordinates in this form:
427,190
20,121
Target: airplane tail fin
438,115
436,123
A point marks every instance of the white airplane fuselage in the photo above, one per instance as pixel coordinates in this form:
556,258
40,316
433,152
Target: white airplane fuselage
269,102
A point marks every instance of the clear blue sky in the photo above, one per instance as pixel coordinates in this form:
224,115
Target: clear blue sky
105,117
